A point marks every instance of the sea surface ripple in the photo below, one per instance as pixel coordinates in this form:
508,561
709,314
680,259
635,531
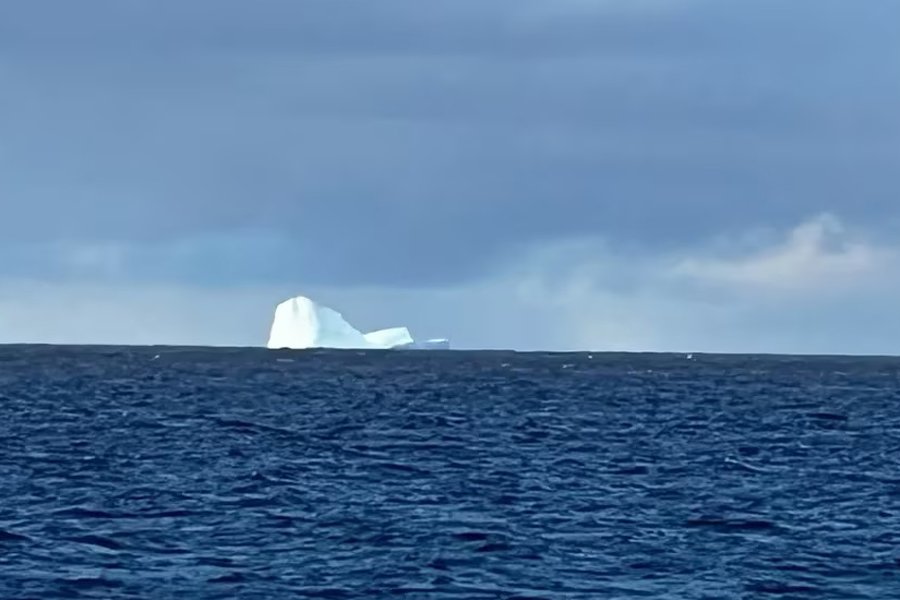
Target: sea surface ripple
241,473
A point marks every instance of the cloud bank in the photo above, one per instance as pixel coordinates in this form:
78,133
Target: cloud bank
764,291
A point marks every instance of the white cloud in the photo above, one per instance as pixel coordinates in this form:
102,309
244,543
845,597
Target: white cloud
819,287
818,254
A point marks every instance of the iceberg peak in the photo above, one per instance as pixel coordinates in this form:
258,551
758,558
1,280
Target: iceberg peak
301,323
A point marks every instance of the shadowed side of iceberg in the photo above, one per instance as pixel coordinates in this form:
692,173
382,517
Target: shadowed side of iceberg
301,323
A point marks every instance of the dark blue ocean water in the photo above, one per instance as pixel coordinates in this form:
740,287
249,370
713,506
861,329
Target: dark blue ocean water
256,474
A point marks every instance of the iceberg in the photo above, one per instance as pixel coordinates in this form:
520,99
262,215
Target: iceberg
432,344
301,323
389,338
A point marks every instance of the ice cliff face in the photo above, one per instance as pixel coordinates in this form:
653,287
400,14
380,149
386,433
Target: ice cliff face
300,323
389,338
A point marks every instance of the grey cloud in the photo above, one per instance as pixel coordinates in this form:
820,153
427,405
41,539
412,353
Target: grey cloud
405,143
519,28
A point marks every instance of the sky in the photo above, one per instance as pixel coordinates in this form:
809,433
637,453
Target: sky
638,175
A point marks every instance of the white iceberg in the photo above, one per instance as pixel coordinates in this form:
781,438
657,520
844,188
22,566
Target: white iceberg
389,338
300,323
432,344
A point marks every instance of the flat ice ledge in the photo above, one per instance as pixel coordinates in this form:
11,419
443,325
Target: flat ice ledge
300,323
434,344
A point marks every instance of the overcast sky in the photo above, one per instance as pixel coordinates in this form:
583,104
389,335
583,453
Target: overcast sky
537,174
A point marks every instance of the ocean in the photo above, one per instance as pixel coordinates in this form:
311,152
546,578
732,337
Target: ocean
247,473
